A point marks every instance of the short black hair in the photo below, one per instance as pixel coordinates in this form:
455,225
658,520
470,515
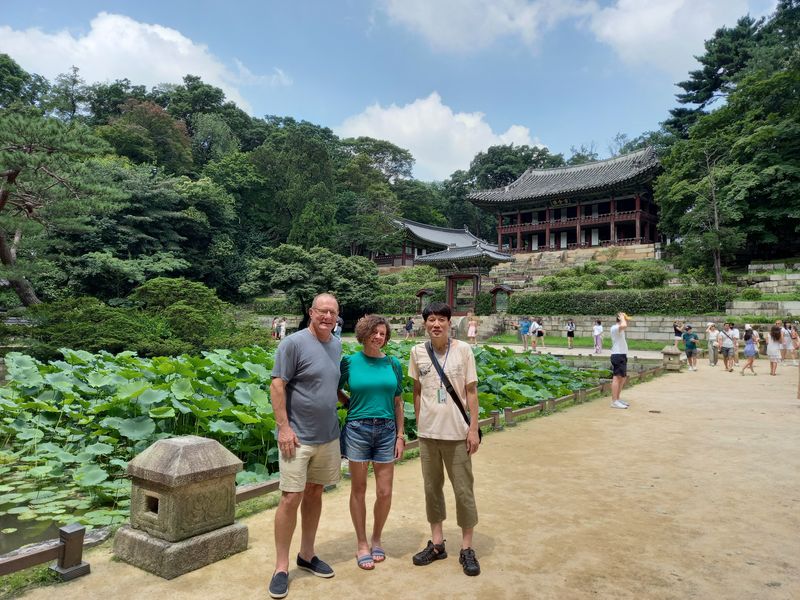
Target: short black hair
439,309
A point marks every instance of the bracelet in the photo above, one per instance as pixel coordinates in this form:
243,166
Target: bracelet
402,437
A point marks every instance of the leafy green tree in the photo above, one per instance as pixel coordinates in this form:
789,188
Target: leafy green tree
18,88
105,100
68,95
212,138
145,129
502,165
192,98
42,180
583,154
421,201
303,274
393,162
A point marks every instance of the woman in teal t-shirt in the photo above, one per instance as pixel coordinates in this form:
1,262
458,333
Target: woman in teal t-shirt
374,431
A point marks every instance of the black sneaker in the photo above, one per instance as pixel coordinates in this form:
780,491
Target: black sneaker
431,553
315,566
279,586
469,561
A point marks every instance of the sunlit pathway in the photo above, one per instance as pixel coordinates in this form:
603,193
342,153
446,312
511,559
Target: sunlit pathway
694,492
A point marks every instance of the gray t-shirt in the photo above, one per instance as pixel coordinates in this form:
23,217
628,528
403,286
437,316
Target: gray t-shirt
310,369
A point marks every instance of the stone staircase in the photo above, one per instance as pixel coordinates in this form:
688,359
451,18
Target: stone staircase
527,269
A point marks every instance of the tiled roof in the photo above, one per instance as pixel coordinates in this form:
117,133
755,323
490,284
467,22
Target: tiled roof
478,252
561,182
438,236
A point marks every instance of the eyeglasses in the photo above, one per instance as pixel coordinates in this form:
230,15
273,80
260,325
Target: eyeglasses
325,313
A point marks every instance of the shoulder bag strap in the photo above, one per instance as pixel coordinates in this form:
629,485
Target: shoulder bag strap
449,386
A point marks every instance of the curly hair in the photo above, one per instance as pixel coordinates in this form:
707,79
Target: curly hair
367,324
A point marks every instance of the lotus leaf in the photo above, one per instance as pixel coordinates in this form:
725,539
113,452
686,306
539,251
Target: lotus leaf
152,396
162,412
99,449
89,475
137,428
182,389
224,427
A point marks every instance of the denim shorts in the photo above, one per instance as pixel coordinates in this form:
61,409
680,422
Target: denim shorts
365,440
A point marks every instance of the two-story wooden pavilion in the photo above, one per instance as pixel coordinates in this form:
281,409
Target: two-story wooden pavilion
603,203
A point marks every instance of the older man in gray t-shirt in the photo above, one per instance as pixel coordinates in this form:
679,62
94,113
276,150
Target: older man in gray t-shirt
305,381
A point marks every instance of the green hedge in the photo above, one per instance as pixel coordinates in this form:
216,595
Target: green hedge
694,300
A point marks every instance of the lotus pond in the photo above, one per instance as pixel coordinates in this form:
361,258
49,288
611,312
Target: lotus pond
69,427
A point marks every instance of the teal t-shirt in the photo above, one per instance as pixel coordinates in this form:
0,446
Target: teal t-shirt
373,383
690,339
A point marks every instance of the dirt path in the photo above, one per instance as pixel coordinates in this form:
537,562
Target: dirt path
694,492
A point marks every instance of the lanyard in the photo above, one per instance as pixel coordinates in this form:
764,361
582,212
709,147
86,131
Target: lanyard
444,362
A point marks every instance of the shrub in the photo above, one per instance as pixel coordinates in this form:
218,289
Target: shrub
697,299
483,304
161,292
751,294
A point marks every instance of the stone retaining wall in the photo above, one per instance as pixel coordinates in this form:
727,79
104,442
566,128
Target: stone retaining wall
768,309
785,283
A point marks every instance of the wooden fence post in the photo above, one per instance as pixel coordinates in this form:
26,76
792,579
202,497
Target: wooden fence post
496,425
509,417
70,562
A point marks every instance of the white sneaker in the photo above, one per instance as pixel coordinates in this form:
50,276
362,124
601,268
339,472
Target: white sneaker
618,404
623,402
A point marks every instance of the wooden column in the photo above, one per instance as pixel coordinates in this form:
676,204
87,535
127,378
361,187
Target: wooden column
547,227
519,230
638,217
613,212
499,235
403,255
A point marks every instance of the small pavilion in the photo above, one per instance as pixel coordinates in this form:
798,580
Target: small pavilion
420,239
462,268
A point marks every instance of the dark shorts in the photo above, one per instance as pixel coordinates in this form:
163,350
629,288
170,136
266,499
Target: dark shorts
690,352
727,352
540,334
365,440
619,365
570,334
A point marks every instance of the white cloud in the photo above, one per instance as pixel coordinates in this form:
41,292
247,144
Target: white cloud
441,140
463,25
660,33
665,34
117,46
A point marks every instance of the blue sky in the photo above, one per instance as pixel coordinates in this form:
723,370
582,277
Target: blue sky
443,78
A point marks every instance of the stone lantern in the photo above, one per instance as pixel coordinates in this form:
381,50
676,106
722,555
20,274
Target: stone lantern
183,498
671,358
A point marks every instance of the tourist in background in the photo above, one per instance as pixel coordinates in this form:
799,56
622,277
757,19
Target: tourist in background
737,340
282,328
726,345
274,328
597,333
793,334
619,360
373,431
677,332
409,328
570,333
750,349
533,333
712,335
690,339
524,327
337,331
774,348
472,329
540,332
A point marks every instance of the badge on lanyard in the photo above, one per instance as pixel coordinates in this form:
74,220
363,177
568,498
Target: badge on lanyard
441,395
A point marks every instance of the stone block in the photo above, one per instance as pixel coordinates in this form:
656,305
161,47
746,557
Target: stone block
171,559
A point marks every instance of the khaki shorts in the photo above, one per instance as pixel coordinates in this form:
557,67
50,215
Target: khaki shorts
317,463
